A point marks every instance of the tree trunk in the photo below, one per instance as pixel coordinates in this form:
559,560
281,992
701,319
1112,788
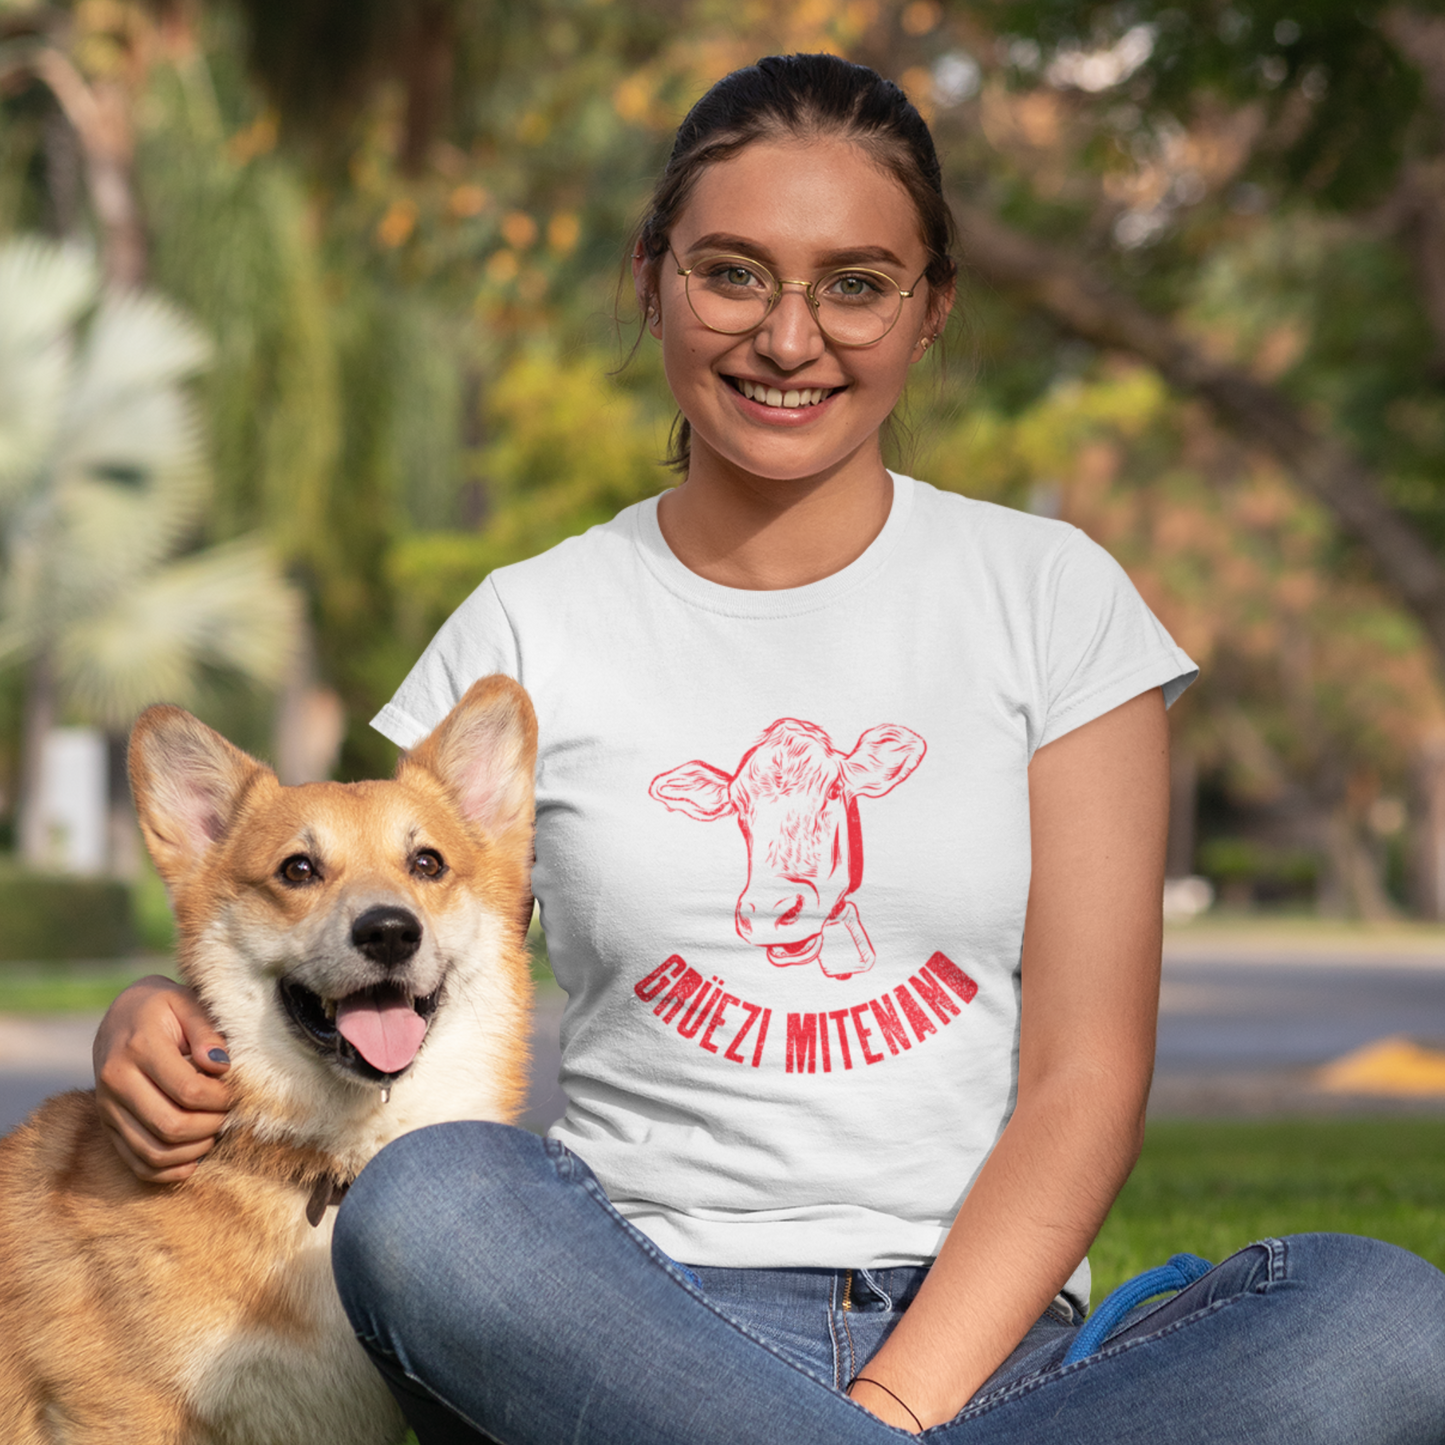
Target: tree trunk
38,719
1351,885
1427,842
100,115
1183,808
310,720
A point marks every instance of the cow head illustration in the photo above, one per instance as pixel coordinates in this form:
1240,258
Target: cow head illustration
795,797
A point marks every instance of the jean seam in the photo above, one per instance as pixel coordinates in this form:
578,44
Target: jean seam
1021,1388
630,1232
372,1346
831,1315
1278,1258
878,1289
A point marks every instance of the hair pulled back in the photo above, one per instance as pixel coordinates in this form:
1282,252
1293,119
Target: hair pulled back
803,97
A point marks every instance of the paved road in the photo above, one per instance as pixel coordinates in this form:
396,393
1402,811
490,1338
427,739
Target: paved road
1243,1023
1243,1026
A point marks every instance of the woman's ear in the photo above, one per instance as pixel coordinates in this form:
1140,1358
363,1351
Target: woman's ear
644,282
940,307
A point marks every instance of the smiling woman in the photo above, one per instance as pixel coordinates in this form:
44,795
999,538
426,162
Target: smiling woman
881,1149
836,204
791,293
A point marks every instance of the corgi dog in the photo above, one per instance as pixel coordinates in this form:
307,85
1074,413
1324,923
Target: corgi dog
362,948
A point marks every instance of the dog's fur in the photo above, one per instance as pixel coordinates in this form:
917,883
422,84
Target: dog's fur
205,1311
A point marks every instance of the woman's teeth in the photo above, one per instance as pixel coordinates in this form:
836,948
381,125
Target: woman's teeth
772,396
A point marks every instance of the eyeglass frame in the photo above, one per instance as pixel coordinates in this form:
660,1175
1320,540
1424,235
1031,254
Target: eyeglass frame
809,293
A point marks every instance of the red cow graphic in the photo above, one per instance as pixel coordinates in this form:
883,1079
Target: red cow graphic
796,801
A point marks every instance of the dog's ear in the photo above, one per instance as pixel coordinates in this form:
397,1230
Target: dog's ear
187,782
485,751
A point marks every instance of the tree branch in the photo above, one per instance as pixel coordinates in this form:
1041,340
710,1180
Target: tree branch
1083,304
100,117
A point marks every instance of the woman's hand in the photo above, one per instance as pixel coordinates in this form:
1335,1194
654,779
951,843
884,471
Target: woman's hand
157,1086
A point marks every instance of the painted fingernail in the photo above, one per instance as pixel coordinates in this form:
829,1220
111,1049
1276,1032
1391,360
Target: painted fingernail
219,1056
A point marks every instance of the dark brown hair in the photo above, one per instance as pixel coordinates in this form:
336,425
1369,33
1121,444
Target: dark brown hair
805,96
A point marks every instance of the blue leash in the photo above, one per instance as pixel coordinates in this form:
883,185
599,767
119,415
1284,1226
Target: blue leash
1182,1270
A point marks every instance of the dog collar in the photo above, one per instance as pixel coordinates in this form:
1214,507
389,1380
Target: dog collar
326,1193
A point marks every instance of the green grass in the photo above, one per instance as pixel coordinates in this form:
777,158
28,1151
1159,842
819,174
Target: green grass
49,988
1211,1187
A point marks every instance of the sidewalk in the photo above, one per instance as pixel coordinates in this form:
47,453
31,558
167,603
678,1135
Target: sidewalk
1315,941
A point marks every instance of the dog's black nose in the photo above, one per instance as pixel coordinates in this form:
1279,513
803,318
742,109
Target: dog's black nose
388,936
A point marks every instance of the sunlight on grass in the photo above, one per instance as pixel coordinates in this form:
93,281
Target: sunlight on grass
1210,1188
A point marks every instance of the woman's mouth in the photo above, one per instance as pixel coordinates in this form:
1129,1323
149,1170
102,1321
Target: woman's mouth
779,396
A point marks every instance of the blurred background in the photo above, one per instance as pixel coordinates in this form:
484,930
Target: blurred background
310,316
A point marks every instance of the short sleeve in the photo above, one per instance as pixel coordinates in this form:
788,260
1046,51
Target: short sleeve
1102,644
476,640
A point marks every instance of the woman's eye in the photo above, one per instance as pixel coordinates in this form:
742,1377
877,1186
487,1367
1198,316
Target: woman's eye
428,864
854,288
730,275
298,868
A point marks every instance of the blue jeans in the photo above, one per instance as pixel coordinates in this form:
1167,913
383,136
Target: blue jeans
505,1300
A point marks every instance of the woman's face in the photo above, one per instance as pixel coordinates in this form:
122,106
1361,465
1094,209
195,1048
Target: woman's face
803,209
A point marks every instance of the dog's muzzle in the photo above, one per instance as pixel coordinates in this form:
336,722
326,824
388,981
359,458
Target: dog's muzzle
374,1033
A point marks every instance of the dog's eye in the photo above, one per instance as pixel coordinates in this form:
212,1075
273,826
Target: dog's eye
428,863
298,868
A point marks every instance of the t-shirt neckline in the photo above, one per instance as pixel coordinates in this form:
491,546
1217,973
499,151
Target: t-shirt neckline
683,582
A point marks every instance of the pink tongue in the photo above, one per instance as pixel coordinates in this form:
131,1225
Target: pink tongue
386,1032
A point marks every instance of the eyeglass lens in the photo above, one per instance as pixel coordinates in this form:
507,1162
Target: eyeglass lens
733,294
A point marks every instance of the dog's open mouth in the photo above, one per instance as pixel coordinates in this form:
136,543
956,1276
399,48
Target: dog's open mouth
375,1032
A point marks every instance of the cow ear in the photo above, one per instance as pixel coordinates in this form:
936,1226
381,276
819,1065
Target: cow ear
697,789
188,782
485,751
883,758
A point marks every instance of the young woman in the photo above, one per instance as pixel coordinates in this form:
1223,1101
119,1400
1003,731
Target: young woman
848,1132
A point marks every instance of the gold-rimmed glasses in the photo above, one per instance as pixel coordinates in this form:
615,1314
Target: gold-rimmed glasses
853,306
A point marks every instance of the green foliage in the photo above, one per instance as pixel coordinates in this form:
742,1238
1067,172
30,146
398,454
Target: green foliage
1230,860
49,916
571,449
1339,94
1210,1188
155,925
69,987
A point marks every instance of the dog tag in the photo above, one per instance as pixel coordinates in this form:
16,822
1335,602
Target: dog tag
326,1193
386,1093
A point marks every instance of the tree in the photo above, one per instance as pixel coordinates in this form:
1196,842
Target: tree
103,484
1158,136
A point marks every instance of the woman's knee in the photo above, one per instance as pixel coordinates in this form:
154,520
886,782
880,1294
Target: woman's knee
416,1209
1377,1316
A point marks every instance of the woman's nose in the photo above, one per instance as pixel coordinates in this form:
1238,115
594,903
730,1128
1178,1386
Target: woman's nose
791,336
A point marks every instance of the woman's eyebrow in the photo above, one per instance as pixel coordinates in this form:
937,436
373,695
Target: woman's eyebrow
733,245
826,261
859,256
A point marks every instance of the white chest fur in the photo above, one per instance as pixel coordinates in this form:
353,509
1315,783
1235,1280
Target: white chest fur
298,1378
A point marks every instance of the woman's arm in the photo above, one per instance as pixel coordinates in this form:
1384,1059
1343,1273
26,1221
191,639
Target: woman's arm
158,1089
1098,810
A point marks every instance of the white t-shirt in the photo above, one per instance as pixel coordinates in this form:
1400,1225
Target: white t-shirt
772,1054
